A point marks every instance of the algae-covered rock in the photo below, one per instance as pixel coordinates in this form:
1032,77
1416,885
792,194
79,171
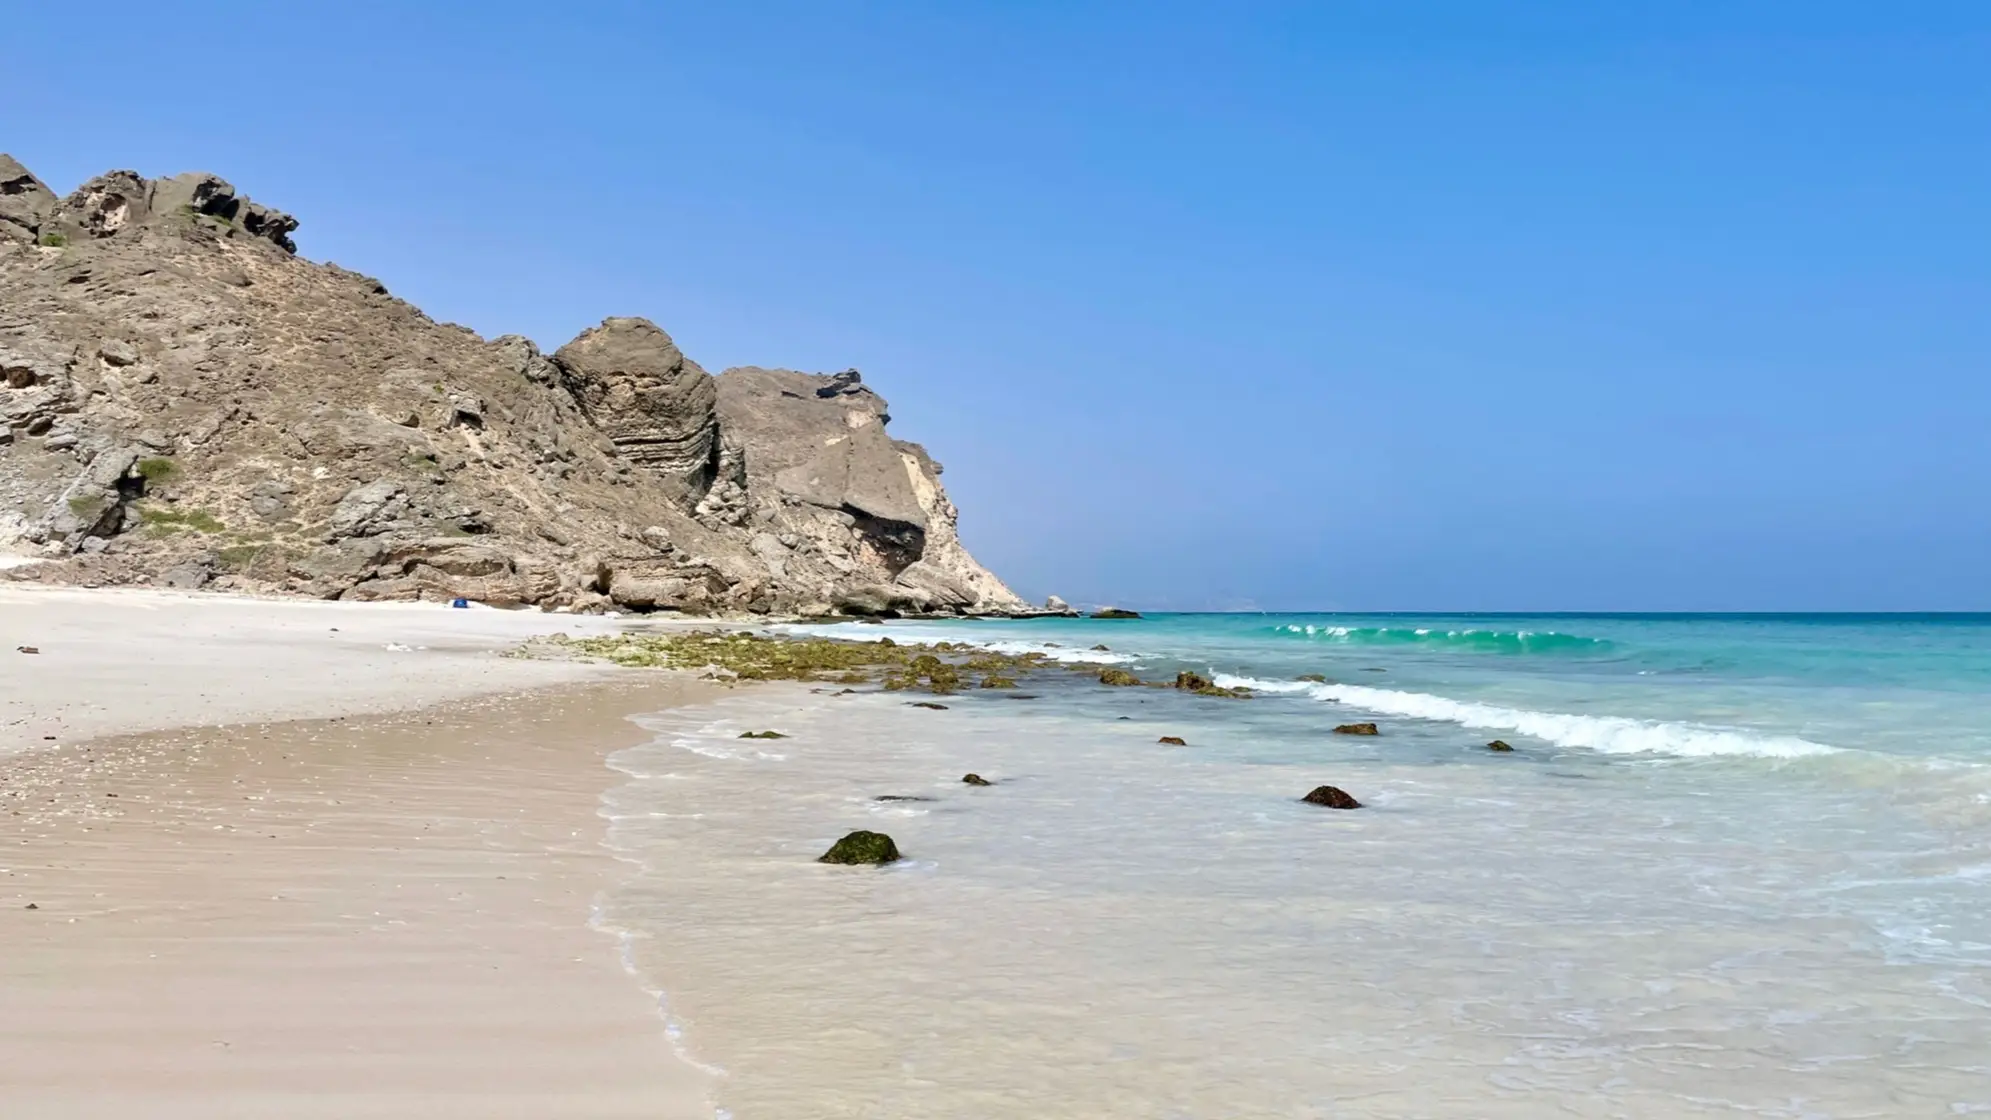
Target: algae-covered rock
976,780
862,847
1333,797
1120,678
1192,682
1357,729
995,681
1115,612
1499,746
1311,678
1172,740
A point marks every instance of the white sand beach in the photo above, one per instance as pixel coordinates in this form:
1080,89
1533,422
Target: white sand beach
300,859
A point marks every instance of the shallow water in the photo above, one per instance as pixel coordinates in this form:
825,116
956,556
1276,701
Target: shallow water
1733,867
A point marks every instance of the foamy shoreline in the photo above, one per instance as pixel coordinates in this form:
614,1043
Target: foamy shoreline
299,859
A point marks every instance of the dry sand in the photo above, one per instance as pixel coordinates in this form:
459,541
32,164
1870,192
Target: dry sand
380,915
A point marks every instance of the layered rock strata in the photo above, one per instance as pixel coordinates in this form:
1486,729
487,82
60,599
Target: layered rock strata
185,401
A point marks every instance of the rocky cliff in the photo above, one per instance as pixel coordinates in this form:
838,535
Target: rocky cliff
185,401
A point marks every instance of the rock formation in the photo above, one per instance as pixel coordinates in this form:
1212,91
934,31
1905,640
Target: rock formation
862,847
184,401
1333,797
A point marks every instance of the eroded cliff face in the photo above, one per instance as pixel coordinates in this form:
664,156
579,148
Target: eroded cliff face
184,401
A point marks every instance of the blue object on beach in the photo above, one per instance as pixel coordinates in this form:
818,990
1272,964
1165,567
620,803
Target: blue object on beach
459,603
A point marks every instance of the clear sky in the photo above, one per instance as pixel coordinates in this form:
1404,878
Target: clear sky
1380,305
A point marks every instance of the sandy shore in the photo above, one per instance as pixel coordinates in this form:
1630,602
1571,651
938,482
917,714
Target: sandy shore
354,915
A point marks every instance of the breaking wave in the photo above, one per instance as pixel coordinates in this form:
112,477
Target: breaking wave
1490,641
1605,734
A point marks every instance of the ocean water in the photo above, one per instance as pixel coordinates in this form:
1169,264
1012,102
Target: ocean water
1735,866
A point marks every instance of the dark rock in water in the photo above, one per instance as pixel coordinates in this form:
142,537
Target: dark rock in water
1101,649
762,735
862,847
32,906
1312,678
900,797
1373,669
1357,729
1333,797
1172,740
927,704
1021,696
976,780
1120,678
846,692
1115,612
1126,717
1499,745
996,681
1203,686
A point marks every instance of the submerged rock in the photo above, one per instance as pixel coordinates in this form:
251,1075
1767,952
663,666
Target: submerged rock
1120,678
862,847
1172,740
1311,678
975,780
1500,746
1357,729
899,797
1333,797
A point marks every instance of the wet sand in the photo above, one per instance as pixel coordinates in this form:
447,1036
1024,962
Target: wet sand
382,915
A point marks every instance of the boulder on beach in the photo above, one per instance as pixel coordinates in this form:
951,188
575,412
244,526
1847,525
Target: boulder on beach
1500,746
1334,797
1172,740
975,780
1357,729
862,847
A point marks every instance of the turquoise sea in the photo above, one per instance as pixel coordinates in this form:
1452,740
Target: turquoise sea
1736,865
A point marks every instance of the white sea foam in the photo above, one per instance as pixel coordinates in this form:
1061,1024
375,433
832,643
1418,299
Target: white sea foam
1606,734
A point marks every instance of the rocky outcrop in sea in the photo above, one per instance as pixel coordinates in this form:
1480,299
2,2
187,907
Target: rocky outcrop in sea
185,401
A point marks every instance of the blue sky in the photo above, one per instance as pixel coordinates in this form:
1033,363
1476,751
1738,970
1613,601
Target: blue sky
1363,306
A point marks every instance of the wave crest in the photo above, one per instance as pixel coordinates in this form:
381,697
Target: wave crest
1605,734
1492,641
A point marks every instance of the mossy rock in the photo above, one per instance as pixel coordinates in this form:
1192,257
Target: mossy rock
1119,678
1357,729
975,780
762,735
1312,678
998,682
862,847
1115,612
1332,797
1192,682
1499,746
